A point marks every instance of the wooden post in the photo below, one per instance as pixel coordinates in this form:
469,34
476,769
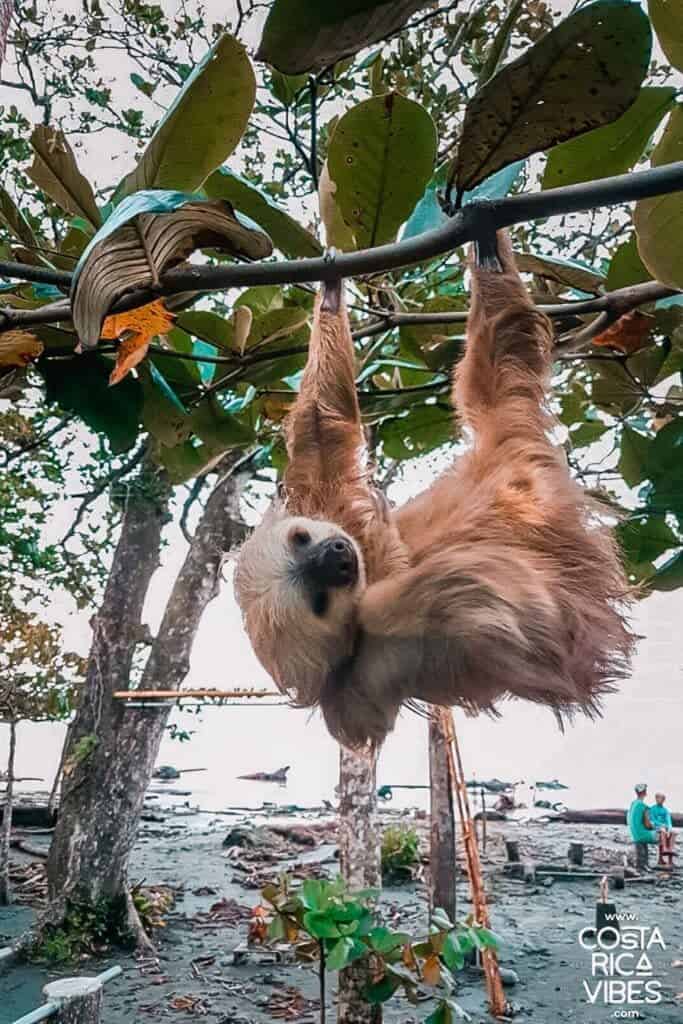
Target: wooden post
360,865
79,1000
512,850
442,848
575,854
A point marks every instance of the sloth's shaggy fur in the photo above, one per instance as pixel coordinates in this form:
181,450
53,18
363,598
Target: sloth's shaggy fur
499,580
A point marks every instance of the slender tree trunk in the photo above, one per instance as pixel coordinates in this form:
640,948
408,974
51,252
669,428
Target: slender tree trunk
6,11
360,863
442,850
112,748
5,891
54,792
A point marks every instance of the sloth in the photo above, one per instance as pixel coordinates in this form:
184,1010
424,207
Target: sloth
500,580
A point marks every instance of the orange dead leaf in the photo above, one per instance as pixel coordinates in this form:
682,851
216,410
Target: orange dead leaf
628,334
17,348
137,327
431,971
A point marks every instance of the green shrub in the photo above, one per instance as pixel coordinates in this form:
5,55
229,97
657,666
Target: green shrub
400,853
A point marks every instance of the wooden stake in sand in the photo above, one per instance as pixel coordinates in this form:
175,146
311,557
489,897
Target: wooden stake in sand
206,694
498,1006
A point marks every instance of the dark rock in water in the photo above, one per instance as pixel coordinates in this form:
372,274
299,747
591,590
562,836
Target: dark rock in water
28,815
240,835
166,772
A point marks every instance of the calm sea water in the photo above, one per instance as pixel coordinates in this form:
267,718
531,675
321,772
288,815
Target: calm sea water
639,737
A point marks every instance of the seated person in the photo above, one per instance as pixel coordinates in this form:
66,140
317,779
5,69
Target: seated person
640,825
660,816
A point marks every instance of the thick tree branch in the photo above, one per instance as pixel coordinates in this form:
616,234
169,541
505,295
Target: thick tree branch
473,221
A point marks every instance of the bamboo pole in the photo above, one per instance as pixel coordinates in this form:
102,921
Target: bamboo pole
494,986
192,694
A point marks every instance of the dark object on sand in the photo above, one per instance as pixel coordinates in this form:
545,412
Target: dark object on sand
279,776
167,773
575,854
386,792
31,816
512,850
602,816
490,785
554,784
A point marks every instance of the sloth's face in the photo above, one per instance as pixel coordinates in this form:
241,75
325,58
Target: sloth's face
298,582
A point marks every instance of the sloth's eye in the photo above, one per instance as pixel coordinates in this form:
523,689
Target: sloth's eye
299,538
320,603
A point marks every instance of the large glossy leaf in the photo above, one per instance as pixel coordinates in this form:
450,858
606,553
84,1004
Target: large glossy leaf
613,149
645,538
428,213
158,226
626,267
208,327
55,171
424,428
82,386
380,158
659,221
202,126
667,18
162,415
633,456
215,432
429,341
584,73
309,35
287,234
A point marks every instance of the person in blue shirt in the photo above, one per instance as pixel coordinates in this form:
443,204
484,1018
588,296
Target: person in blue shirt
640,826
660,816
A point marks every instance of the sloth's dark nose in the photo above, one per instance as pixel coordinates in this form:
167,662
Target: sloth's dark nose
333,563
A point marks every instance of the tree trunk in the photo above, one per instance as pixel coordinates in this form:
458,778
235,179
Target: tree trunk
442,850
112,747
360,864
6,11
5,891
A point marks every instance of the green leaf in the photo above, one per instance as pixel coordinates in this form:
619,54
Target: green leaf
442,1015
626,267
276,325
55,171
485,938
613,149
587,433
582,74
286,87
82,386
634,456
208,327
670,575
381,990
287,234
338,955
645,538
380,158
302,36
659,221
383,940
424,428
441,920
260,299
162,413
428,213
148,88
320,925
183,373
571,273
612,389
425,341
220,430
203,124
452,953
667,19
